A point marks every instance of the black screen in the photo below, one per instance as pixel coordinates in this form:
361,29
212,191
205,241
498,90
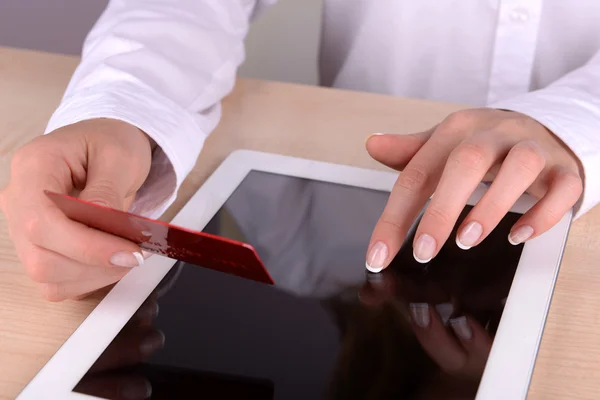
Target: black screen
327,329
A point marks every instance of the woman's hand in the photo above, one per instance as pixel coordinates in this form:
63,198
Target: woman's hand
451,159
106,161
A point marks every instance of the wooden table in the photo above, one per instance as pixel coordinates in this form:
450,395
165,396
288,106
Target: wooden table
322,124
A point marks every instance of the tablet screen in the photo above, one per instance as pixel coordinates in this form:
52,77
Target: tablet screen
327,329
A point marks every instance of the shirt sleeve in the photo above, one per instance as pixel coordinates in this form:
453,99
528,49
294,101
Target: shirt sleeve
570,108
162,66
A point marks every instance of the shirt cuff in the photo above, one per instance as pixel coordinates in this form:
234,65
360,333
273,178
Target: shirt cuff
176,132
574,117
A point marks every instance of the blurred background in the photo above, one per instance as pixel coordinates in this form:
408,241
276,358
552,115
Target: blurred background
282,44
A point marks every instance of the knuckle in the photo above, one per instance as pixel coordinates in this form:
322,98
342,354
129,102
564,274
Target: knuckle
392,223
470,156
33,227
494,209
37,269
549,217
27,157
438,215
20,157
514,122
413,180
53,292
457,121
573,184
528,157
88,254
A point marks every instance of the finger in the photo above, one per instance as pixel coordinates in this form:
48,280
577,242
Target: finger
409,194
564,190
435,338
395,151
467,165
74,289
115,386
131,346
79,242
45,266
378,290
520,169
106,182
34,217
475,340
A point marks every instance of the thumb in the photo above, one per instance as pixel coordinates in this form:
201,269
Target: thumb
395,151
109,184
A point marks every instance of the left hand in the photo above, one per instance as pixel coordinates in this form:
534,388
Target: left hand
451,159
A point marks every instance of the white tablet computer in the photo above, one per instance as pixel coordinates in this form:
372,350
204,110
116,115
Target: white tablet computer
466,325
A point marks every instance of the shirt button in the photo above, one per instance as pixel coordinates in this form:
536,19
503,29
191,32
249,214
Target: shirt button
519,16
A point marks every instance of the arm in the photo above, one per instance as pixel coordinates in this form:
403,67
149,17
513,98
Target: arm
163,67
570,108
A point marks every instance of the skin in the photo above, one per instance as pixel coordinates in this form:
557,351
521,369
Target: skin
106,161
514,151
103,161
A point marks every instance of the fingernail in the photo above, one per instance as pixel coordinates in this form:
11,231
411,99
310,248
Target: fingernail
445,311
136,390
371,135
100,203
152,342
146,254
469,235
424,248
420,314
125,259
376,257
520,235
461,327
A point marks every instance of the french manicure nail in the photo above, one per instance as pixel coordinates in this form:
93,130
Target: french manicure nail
420,314
424,248
469,235
461,327
136,390
152,342
520,235
376,257
146,254
126,259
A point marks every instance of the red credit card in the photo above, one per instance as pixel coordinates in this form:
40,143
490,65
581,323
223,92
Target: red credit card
198,248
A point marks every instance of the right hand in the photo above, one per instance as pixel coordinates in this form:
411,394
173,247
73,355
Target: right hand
106,161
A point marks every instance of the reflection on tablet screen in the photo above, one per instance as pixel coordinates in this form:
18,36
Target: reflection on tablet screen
327,329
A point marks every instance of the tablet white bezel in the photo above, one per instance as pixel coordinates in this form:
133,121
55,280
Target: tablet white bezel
512,358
